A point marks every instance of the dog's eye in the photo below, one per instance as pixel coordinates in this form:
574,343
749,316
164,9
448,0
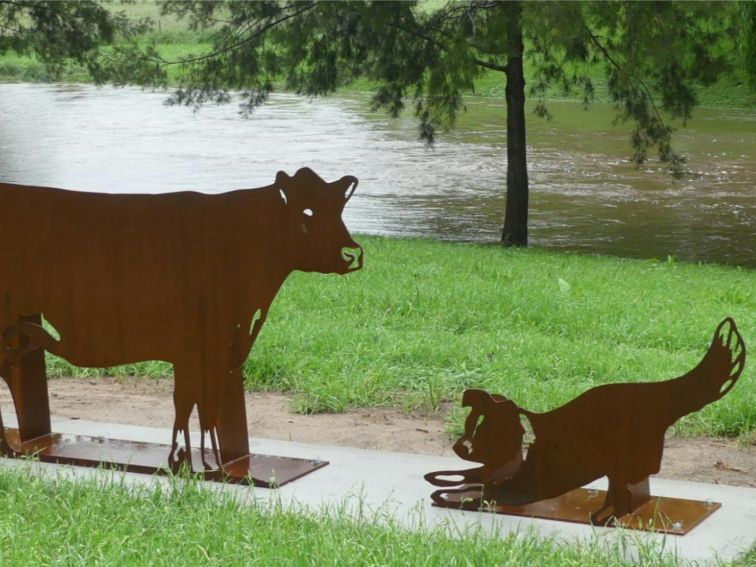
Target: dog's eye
480,421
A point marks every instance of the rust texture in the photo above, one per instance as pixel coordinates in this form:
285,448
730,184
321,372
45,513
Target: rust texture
186,278
674,516
149,458
614,430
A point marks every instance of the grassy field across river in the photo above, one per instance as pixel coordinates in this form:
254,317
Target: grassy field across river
730,92
425,320
173,40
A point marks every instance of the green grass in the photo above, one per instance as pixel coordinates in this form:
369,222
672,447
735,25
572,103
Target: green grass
425,320
102,521
730,91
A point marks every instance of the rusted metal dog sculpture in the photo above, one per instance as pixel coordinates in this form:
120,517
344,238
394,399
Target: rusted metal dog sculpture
614,430
185,278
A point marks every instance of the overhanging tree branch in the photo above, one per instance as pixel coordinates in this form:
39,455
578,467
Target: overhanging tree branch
442,47
230,47
638,80
489,65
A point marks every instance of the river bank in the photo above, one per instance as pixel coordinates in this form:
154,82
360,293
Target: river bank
729,93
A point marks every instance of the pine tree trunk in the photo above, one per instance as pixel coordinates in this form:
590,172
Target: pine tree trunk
515,231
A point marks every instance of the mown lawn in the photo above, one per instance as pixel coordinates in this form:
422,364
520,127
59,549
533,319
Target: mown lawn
103,521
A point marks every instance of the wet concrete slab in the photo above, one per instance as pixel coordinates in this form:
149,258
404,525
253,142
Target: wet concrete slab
391,485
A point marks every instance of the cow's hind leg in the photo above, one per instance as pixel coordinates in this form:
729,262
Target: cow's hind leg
180,455
23,341
5,448
232,430
212,432
183,402
209,411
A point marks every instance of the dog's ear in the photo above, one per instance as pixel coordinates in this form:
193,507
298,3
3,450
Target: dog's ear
481,400
475,398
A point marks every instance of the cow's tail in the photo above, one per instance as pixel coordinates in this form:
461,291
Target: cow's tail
36,336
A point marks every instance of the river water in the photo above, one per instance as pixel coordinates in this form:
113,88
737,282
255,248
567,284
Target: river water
585,195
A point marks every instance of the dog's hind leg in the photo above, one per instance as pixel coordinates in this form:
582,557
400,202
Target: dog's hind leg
622,498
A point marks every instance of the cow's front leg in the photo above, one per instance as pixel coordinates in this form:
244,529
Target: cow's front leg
223,417
233,435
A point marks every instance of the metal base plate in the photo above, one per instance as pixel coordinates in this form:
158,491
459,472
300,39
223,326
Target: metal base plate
267,471
674,516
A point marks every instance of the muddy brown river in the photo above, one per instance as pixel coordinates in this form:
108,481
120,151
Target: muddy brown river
585,195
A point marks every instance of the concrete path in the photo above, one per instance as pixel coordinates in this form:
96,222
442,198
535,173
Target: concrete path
392,485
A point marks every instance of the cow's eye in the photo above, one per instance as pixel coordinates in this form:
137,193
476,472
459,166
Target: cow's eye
308,212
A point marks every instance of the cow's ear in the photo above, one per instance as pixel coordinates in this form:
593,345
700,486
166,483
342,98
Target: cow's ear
282,181
347,184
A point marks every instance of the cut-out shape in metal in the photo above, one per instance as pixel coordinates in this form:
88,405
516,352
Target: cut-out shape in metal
186,278
613,430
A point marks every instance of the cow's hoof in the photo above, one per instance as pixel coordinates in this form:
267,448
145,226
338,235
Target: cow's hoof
602,518
181,464
215,474
6,450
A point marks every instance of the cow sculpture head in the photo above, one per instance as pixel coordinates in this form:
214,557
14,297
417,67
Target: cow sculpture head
314,227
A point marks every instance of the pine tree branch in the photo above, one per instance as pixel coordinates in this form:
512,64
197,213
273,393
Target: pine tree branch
230,47
638,80
489,65
442,47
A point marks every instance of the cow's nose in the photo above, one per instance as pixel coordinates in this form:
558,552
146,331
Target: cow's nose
352,255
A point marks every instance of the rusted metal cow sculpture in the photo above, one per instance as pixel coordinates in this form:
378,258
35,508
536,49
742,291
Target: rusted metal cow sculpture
614,430
185,278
